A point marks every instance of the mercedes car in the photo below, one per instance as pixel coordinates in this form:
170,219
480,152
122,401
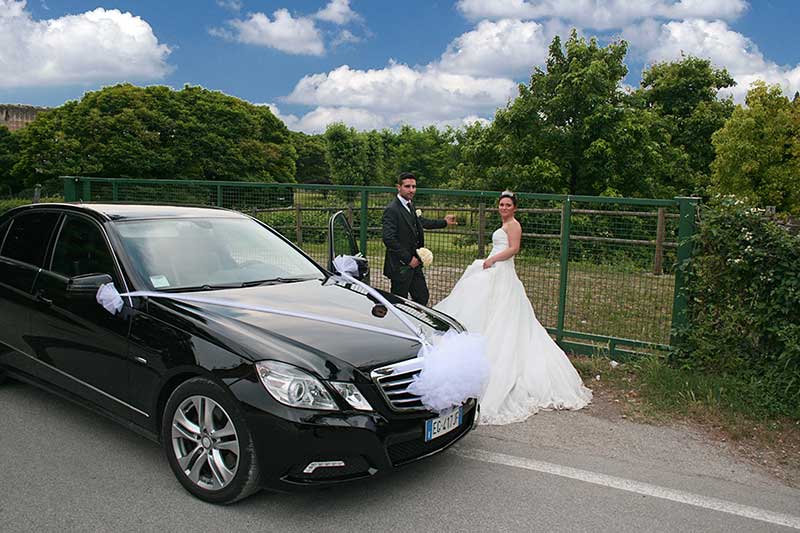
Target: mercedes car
251,364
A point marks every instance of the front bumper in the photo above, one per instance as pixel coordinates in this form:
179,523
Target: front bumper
360,445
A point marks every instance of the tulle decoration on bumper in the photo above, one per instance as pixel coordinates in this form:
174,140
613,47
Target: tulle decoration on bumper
454,369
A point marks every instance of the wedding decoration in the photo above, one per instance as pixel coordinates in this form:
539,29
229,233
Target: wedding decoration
426,256
454,366
419,213
453,370
109,298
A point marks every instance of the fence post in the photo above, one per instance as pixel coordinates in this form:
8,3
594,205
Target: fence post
686,228
482,229
566,217
660,230
298,223
114,191
70,189
364,223
37,193
87,191
219,195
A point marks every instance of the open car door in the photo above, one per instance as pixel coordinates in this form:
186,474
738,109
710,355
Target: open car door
341,241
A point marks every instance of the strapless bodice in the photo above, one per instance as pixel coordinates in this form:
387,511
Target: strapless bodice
499,241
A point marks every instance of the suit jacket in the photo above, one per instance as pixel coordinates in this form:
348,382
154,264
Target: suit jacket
402,235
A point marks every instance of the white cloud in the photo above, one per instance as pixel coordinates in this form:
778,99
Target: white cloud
397,94
504,48
401,89
96,46
345,36
285,33
233,5
726,48
601,14
338,12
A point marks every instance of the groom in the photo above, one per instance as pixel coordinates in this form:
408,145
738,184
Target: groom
402,235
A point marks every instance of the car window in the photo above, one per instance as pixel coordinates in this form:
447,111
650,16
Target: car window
28,237
81,249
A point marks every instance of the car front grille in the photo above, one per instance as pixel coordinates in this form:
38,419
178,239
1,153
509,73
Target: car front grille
393,382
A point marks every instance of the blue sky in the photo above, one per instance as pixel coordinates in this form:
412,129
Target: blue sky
370,63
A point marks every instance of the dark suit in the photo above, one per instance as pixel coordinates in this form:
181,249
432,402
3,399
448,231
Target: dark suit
402,235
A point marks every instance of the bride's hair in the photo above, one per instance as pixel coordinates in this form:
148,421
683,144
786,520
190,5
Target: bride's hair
510,195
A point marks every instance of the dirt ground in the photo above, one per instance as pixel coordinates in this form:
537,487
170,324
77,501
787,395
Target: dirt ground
774,450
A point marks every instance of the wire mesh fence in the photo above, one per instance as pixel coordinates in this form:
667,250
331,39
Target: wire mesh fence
600,272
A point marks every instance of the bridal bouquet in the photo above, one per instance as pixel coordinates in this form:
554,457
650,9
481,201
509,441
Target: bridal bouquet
426,256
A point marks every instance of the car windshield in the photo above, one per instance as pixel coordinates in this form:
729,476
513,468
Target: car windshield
211,253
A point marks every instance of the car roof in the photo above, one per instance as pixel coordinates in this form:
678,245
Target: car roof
118,212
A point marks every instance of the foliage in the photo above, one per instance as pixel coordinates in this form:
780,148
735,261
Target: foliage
683,94
126,131
744,300
572,130
11,203
758,150
312,165
8,158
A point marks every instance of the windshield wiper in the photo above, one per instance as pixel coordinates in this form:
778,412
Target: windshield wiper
274,281
206,287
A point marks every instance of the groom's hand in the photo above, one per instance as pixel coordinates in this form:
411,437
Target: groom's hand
414,263
451,220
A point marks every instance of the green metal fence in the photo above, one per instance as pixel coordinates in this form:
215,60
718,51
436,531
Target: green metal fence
600,272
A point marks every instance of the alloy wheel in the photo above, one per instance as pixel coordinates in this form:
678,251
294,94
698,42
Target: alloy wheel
205,443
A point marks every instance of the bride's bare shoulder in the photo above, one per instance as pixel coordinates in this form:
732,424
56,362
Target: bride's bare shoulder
513,225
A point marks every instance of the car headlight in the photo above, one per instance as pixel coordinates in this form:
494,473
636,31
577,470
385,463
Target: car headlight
352,395
294,387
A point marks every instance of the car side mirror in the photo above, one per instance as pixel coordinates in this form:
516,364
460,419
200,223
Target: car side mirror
87,285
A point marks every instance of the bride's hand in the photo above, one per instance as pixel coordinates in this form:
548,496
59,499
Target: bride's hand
488,263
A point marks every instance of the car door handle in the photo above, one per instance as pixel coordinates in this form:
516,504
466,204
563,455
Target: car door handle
42,299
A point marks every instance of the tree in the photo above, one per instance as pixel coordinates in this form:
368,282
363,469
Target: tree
156,132
758,150
312,165
565,119
684,93
8,158
346,155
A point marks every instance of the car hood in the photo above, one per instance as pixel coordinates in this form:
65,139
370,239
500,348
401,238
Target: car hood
312,343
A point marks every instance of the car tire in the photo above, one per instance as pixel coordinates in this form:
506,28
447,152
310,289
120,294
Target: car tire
208,444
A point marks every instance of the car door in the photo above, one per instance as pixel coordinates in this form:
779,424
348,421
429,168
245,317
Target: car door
23,247
84,346
342,241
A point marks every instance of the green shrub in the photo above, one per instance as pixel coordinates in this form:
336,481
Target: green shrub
11,203
744,303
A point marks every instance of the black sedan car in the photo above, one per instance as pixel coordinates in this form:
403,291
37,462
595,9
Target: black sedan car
239,398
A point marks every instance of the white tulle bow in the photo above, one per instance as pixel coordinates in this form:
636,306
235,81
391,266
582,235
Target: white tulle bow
453,370
109,298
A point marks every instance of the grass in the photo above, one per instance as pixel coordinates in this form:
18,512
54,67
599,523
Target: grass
729,409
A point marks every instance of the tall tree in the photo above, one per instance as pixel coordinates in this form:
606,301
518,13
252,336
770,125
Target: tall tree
312,164
566,116
758,150
346,155
156,132
685,93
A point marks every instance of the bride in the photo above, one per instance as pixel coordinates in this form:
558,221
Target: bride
528,370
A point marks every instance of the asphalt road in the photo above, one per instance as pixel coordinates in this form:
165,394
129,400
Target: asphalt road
63,468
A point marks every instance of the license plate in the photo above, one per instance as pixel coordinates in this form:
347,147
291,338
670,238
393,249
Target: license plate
444,423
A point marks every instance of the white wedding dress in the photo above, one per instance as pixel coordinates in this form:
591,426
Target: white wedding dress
528,370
